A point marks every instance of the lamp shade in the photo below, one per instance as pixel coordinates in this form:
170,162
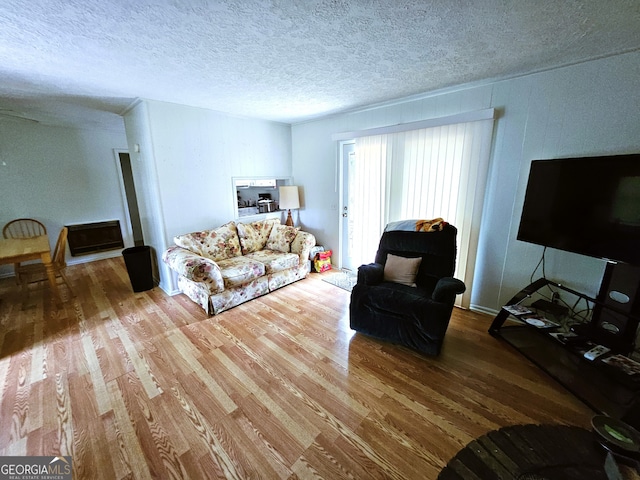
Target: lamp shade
289,197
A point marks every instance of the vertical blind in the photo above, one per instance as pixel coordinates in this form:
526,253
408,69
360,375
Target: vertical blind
425,173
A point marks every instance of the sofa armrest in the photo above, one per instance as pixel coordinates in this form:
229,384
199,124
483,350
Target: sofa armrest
370,274
446,290
302,245
194,267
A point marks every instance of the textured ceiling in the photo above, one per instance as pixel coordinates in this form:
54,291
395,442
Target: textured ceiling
85,61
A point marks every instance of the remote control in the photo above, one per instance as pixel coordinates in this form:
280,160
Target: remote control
595,352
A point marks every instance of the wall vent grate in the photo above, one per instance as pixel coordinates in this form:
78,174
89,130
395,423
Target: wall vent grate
94,237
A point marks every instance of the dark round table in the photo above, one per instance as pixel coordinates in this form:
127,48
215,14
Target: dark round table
530,452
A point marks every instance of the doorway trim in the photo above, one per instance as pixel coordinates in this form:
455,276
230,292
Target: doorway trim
129,238
342,201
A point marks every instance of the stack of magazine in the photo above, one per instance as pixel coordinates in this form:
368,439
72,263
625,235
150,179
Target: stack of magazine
529,317
626,369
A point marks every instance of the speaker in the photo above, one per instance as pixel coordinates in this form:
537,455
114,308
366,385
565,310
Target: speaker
618,301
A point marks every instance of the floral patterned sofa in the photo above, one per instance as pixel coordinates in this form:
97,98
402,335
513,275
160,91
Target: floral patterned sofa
224,267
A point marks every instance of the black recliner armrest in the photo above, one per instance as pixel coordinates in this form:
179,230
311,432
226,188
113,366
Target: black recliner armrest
446,290
370,274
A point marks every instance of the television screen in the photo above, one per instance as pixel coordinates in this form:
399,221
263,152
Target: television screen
588,205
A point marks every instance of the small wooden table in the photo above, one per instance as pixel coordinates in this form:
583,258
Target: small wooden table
16,250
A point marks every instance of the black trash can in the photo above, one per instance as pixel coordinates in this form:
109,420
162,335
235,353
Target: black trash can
138,262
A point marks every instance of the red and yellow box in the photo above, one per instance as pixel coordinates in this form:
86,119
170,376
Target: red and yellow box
322,262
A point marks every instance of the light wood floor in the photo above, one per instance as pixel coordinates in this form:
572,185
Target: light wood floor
137,386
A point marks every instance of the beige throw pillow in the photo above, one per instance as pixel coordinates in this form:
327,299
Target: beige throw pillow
281,237
401,270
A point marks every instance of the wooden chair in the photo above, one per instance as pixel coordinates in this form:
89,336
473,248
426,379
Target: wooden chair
35,272
23,228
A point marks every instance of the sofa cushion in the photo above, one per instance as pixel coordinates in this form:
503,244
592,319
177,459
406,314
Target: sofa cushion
238,270
281,237
237,295
218,244
396,299
253,236
193,242
275,261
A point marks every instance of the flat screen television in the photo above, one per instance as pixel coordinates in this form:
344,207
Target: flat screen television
587,205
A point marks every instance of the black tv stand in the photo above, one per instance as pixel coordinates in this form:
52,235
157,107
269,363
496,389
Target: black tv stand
559,351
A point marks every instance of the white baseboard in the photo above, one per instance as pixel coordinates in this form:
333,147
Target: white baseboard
169,292
481,309
78,260
93,257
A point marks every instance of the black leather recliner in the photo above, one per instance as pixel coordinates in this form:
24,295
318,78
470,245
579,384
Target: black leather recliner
416,317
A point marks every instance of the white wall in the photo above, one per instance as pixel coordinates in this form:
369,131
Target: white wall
60,176
185,166
586,109
189,155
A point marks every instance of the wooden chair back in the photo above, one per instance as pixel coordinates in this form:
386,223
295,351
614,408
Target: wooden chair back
36,272
23,228
59,260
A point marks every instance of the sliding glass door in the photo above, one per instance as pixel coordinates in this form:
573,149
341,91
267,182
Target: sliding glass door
416,174
347,246
365,192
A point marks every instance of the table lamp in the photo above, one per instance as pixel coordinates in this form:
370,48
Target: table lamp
289,199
